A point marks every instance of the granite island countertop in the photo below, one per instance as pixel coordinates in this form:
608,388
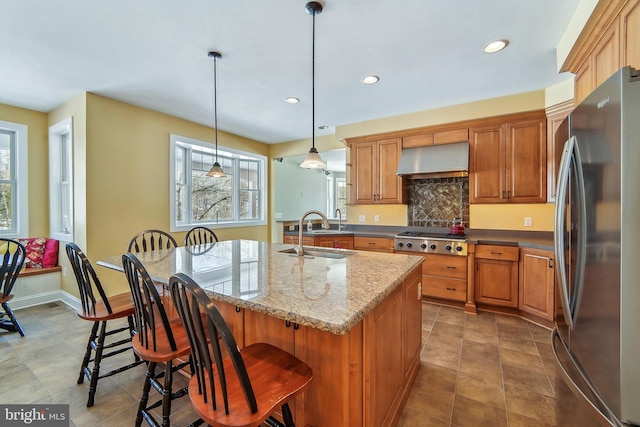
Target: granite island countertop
328,294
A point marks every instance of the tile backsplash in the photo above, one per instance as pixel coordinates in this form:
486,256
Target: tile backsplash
435,202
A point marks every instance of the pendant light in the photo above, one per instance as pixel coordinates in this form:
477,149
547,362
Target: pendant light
216,170
313,159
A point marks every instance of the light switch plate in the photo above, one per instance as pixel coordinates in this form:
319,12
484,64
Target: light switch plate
362,218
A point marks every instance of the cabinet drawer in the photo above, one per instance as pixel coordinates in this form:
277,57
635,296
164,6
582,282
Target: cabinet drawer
446,266
505,253
381,244
443,287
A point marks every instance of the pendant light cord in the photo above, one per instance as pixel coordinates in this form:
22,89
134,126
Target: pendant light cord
313,82
215,101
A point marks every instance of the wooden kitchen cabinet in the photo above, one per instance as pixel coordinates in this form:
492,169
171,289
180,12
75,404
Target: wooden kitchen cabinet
375,244
508,161
555,118
436,136
373,176
293,240
337,241
444,277
496,275
609,41
537,283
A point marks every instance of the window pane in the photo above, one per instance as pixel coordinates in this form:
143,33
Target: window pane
211,198
180,189
5,156
5,207
249,204
180,165
249,175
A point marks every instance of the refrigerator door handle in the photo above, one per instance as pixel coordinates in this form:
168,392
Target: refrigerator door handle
581,250
559,226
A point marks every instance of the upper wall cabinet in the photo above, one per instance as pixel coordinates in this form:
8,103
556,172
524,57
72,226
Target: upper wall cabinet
508,160
610,40
555,118
436,136
373,176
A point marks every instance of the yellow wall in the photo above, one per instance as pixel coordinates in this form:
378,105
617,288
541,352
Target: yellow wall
38,165
511,216
121,168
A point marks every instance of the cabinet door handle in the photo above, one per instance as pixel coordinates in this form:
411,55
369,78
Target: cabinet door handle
451,266
287,323
550,262
238,309
296,326
496,253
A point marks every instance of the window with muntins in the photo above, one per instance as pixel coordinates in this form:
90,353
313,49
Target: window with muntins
61,180
14,187
236,200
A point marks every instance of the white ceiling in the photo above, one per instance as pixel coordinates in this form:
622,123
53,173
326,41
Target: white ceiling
153,53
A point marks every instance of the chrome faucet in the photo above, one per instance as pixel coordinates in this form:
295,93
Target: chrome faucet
337,212
300,249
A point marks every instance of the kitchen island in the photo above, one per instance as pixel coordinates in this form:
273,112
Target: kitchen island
355,317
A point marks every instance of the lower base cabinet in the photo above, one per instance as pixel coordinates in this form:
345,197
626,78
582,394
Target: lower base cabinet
537,283
496,275
361,378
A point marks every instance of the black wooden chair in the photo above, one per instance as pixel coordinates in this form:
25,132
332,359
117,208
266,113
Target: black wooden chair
200,236
159,341
234,387
150,240
13,259
96,307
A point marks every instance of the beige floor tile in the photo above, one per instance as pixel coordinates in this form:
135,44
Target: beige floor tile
481,389
471,413
521,359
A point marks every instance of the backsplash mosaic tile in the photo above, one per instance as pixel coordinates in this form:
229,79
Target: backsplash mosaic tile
435,202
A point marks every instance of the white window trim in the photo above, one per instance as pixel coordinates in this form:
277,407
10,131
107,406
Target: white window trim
172,186
63,233
22,176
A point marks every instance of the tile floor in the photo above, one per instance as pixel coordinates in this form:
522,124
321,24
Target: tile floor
491,370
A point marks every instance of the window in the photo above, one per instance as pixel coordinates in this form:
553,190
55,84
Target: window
61,180
337,196
234,201
14,188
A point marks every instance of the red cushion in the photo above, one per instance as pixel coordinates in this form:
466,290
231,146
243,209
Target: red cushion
50,256
35,251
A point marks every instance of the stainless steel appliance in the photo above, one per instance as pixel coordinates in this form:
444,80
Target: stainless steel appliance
597,229
431,243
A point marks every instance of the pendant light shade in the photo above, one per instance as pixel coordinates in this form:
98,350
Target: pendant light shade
313,159
216,170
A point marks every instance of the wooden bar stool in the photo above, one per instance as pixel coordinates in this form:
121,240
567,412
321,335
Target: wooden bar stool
200,236
236,387
99,309
158,341
13,259
151,240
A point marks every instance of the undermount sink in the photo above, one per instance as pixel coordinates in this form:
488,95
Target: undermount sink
316,253
331,232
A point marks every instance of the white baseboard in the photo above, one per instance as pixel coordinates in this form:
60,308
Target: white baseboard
44,298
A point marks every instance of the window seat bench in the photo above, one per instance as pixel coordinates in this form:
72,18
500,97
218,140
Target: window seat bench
36,286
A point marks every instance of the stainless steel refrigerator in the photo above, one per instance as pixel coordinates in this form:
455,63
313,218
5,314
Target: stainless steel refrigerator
597,235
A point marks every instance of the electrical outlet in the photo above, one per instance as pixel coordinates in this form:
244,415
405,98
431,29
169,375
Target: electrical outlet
376,218
527,221
292,227
362,218
277,215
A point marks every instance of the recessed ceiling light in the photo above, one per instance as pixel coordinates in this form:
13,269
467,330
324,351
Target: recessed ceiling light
292,100
495,46
369,80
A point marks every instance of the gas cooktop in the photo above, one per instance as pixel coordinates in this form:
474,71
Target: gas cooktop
428,242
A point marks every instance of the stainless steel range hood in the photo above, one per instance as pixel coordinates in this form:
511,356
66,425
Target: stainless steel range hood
435,160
